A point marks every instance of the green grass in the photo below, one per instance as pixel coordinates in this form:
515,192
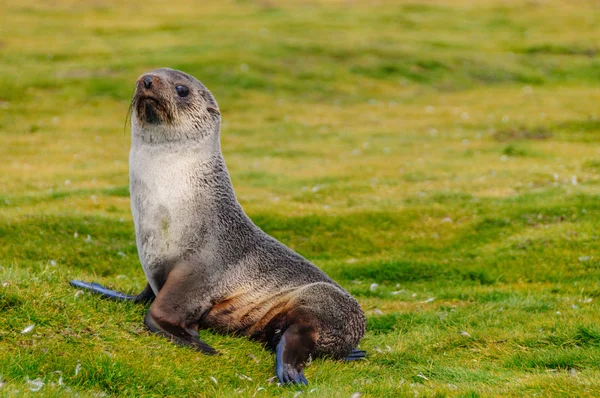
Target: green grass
446,151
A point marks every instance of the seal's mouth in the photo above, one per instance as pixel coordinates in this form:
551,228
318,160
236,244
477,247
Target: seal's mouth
149,109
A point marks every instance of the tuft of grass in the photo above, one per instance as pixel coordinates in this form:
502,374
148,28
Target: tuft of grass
513,150
523,133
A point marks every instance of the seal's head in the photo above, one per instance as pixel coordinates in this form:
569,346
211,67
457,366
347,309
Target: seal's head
169,105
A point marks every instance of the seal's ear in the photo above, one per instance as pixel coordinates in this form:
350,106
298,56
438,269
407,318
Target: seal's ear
213,110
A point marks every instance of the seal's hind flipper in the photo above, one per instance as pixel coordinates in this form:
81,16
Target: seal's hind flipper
179,335
356,355
145,296
96,288
293,350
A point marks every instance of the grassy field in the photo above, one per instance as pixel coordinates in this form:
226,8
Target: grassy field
440,159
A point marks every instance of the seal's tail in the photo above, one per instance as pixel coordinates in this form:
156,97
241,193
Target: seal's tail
145,296
356,354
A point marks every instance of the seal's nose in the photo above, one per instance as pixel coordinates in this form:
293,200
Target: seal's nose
147,81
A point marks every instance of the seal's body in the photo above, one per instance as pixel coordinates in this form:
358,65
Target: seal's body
206,262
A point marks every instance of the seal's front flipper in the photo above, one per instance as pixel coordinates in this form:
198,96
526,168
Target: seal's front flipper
185,337
356,355
293,350
177,308
145,296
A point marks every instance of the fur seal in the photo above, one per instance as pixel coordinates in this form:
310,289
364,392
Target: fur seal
207,264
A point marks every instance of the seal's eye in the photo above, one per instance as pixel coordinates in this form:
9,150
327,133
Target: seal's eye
182,91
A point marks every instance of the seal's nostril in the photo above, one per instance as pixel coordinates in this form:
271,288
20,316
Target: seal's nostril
148,81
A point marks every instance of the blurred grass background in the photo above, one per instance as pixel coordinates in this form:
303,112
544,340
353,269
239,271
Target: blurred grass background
439,159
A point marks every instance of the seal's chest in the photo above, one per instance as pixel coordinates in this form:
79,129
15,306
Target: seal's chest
164,188
163,203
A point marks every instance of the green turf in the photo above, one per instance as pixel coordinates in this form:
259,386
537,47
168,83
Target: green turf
439,159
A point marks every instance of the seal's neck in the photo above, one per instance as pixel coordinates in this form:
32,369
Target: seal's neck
174,136
200,158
